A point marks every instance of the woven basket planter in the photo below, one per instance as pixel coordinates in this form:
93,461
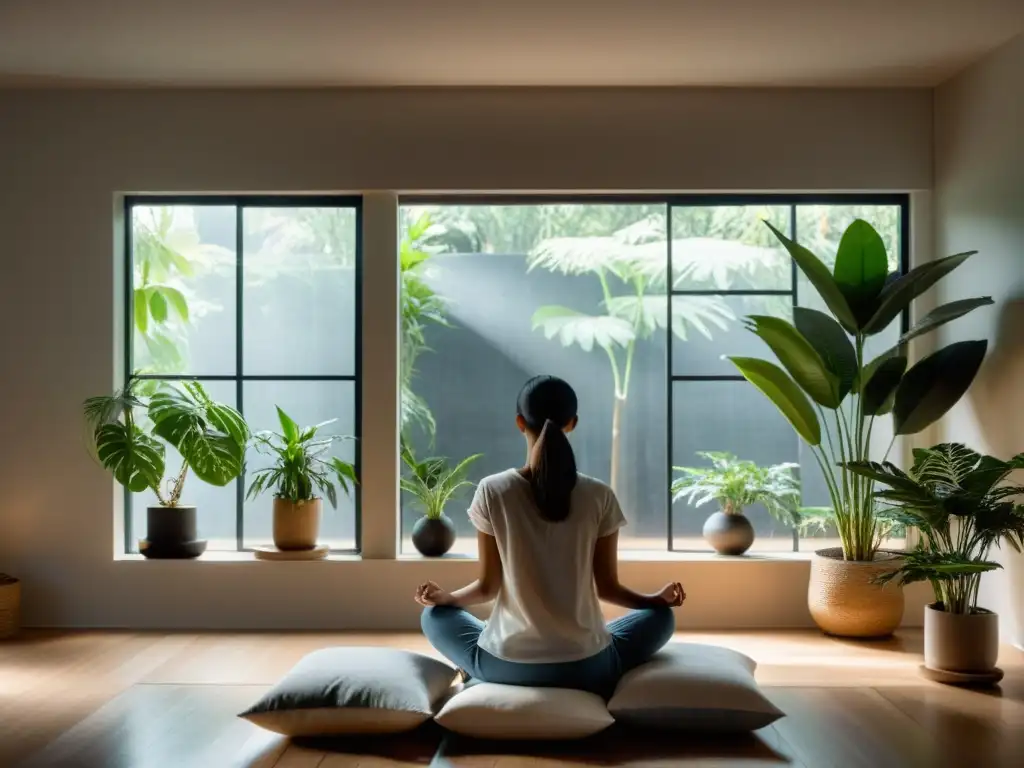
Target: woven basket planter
10,606
844,599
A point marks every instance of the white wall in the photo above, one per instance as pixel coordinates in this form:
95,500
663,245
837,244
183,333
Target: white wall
65,157
979,204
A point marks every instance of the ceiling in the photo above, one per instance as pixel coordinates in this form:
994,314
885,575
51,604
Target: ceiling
313,43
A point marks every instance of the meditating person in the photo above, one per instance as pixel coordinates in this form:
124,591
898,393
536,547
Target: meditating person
548,541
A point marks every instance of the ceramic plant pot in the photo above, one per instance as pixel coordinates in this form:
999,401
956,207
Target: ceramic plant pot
433,537
10,606
729,533
296,524
845,600
171,534
964,643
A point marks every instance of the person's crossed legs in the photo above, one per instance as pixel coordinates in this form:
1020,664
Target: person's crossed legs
636,637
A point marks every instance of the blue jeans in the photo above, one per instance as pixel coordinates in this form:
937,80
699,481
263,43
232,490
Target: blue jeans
636,637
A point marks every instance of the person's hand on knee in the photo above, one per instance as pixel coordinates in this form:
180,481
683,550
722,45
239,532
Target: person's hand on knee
430,594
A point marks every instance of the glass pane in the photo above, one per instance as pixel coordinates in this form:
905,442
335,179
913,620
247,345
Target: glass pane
215,507
184,297
728,247
706,328
728,416
487,271
307,403
300,291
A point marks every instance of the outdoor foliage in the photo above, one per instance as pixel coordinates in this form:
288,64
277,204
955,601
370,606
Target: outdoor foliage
823,367
301,470
433,482
959,501
211,437
737,484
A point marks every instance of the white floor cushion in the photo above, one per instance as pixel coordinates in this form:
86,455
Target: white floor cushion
350,690
492,711
694,687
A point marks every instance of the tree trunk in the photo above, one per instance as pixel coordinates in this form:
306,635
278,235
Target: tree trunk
616,433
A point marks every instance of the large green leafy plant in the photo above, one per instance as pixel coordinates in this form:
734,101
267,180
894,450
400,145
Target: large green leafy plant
735,484
301,468
825,377
433,481
961,504
128,433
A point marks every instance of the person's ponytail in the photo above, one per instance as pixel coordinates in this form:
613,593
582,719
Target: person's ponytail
552,472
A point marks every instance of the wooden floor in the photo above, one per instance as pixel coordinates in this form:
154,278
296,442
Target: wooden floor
114,700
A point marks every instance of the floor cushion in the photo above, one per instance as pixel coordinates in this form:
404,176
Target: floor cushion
350,690
492,711
694,687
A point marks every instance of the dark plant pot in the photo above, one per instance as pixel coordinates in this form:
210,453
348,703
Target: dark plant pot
433,538
729,533
171,534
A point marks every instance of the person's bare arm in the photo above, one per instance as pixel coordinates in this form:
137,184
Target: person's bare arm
483,590
611,590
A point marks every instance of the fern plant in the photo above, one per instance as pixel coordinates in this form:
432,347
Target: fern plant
433,482
736,484
959,501
301,470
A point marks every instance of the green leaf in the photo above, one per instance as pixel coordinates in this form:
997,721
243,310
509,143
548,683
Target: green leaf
289,428
141,310
572,327
934,385
880,391
798,357
821,279
944,314
176,299
861,263
784,393
864,375
897,295
831,342
157,306
134,458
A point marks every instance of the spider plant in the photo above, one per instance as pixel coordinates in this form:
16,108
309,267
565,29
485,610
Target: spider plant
433,482
959,501
736,484
126,430
300,469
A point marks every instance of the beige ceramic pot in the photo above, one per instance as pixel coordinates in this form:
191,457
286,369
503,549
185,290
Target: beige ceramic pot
10,606
845,600
296,525
966,643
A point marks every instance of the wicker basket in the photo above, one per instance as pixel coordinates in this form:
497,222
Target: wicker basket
845,600
10,605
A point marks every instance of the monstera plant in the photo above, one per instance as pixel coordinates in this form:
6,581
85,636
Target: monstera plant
832,394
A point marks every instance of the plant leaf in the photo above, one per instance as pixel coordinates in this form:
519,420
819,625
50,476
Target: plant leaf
944,314
141,310
821,279
134,458
897,295
861,264
880,391
572,327
176,299
798,357
831,342
934,385
784,393
157,306
289,429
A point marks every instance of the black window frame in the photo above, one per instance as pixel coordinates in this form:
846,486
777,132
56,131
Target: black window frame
240,203
692,200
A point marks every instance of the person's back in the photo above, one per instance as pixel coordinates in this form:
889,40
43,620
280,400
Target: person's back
548,543
547,609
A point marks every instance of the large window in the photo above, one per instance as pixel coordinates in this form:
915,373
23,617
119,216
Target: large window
258,300
497,291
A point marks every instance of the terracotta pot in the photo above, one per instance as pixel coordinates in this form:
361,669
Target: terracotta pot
296,524
960,642
845,600
10,606
729,534
433,536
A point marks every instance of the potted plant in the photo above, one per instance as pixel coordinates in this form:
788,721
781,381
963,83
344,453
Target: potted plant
10,606
126,433
432,482
959,501
299,473
832,395
736,484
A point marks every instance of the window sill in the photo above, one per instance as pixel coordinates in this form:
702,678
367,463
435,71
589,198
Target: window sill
652,556
235,557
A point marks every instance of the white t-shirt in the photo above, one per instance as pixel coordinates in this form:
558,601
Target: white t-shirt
547,609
